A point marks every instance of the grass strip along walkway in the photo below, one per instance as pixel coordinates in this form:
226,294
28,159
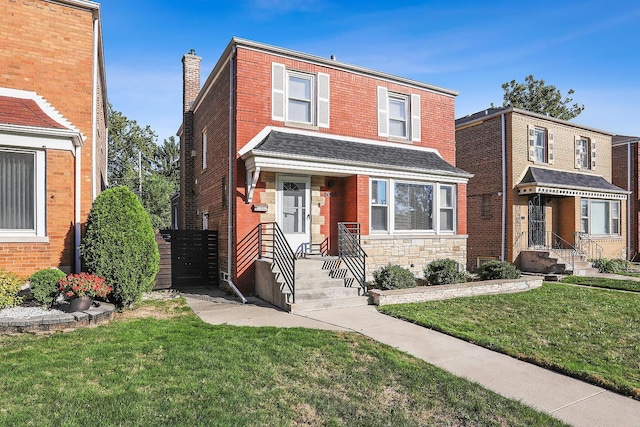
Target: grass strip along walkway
590,334
603,282
161,365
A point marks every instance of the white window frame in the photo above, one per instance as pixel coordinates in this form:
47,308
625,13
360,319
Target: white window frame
404,99
583,146
376,204
312,91
614,221
204,150
40,206
412,111
437,207
205,221
318,101
540,148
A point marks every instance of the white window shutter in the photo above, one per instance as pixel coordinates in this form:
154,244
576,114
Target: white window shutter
383,112
531,132
278,85
415,117
323,100
550,144
576,149
593,154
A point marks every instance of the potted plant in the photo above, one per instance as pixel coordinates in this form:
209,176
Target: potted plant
82,288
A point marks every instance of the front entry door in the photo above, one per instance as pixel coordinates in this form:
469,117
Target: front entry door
294,214
537,226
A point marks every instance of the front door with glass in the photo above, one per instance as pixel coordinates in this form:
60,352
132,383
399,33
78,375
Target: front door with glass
294,215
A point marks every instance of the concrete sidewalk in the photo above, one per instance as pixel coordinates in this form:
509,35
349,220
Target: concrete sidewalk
573,401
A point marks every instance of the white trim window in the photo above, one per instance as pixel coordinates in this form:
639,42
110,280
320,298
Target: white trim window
204,150
585,150
416,207
22,193
398,115
298,97
600,217
540,145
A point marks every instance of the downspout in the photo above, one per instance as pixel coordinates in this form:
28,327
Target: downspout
504,187
94,107
230,180
77,207
629,199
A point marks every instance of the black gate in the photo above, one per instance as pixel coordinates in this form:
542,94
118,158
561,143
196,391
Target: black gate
187,258
536,221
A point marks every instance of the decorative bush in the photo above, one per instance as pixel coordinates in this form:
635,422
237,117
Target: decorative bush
444,272
492,270
119,245
83,284
393,277
612,266
10,285
44,285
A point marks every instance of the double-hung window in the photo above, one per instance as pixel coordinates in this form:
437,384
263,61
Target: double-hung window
585,153
540,145
600,217
398,115
299,97
398,206
22,194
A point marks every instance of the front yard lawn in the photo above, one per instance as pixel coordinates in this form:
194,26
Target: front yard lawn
161,365
591,334
602,282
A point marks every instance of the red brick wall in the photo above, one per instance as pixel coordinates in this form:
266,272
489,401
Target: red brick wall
48,48
620,174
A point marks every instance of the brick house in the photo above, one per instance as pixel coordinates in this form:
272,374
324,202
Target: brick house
542,194
626,159
310,143
53,136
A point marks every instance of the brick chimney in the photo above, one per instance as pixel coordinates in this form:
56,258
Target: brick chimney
190,79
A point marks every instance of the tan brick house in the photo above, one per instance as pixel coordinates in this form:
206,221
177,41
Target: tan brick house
625,160
53,136
541,192
309,143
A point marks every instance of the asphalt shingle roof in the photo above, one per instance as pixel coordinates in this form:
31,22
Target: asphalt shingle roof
25,112
570,180
307,147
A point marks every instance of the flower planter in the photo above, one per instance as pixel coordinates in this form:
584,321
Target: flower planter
80,303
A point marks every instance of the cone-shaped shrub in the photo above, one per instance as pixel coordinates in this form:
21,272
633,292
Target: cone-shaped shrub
119,245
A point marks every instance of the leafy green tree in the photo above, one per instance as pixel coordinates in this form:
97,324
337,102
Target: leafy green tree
167,161
538,97
156,199
119,245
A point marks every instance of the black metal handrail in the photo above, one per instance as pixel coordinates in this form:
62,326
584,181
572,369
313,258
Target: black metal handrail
586,245
274,246
350,251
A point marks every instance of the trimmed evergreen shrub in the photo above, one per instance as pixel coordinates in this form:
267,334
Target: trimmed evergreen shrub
495,269
393,277
10,285
119,245
44,285
443,272
613,266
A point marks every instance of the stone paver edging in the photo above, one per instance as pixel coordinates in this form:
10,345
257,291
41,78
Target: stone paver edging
95,315
440,292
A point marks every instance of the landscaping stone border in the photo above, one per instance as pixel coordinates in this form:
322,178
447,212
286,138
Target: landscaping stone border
95,315
440,292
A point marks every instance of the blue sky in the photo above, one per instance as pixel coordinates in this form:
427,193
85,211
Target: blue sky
472,47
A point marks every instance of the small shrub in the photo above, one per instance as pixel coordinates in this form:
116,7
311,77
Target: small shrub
493,270
444,272
10,285
44,285
119,245
612,266
393,277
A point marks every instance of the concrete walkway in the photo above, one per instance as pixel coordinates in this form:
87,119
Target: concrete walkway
573,401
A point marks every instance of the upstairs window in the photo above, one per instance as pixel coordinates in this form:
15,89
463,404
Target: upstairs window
585,150
298,97
398,115
204,150
540,145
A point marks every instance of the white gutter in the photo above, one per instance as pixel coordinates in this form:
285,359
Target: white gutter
77,207
94,106
231,181
504,187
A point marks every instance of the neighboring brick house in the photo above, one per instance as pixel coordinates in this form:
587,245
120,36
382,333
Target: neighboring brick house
53,136
314,142
626,159
540,184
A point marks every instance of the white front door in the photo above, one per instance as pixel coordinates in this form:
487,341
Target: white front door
294,210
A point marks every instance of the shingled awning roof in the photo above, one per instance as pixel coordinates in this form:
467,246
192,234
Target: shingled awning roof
560,183
348,156
25,112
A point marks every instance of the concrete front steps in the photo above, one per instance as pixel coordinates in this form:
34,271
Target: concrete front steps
320,284
557,261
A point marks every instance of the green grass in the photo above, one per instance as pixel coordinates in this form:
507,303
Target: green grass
591,334
602,282
160,370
